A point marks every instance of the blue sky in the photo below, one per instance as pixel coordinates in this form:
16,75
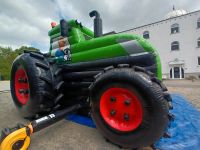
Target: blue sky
25,22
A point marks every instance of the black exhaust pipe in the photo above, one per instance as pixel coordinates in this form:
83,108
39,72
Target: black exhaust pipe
64,28
98,31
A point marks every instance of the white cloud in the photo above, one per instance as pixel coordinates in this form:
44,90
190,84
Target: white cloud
117,7
28,22
24,23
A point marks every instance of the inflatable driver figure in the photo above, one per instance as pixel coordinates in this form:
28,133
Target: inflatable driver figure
61,52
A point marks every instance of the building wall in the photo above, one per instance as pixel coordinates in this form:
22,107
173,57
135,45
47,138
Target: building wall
161,38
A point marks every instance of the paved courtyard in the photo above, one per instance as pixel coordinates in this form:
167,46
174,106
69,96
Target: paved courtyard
62,135
69,135
187,88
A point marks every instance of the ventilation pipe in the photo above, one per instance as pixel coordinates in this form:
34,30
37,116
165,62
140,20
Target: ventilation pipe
97,23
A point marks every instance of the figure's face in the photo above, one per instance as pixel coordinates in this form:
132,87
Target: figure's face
61,43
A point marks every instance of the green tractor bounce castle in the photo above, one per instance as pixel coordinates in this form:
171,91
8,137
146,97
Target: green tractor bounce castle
116,78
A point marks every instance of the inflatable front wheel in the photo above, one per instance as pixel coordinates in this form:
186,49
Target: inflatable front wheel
129,109
34,88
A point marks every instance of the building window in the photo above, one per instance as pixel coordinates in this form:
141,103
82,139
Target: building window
198,42
174,28
175,45
198,23
146,34
198,60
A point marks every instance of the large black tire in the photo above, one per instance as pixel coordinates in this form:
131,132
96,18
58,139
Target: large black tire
151,96
44,84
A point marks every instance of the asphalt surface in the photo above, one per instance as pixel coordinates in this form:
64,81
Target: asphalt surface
4,86
62,135
68,135
182,83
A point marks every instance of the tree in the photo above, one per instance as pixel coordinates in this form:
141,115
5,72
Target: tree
23,48
7,56
5,51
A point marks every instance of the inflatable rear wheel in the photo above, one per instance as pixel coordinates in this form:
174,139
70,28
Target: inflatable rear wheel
129,109
35,85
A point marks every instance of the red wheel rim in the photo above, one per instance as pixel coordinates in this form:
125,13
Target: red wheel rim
21,86
121,109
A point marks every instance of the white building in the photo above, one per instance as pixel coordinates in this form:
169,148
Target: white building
177,39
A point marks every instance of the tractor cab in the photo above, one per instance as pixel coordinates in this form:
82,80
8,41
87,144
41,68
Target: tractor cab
71,42
66,34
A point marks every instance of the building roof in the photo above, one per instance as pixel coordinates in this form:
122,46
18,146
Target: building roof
175,15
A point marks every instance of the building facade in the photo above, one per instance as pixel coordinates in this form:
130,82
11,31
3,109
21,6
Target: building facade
177,39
